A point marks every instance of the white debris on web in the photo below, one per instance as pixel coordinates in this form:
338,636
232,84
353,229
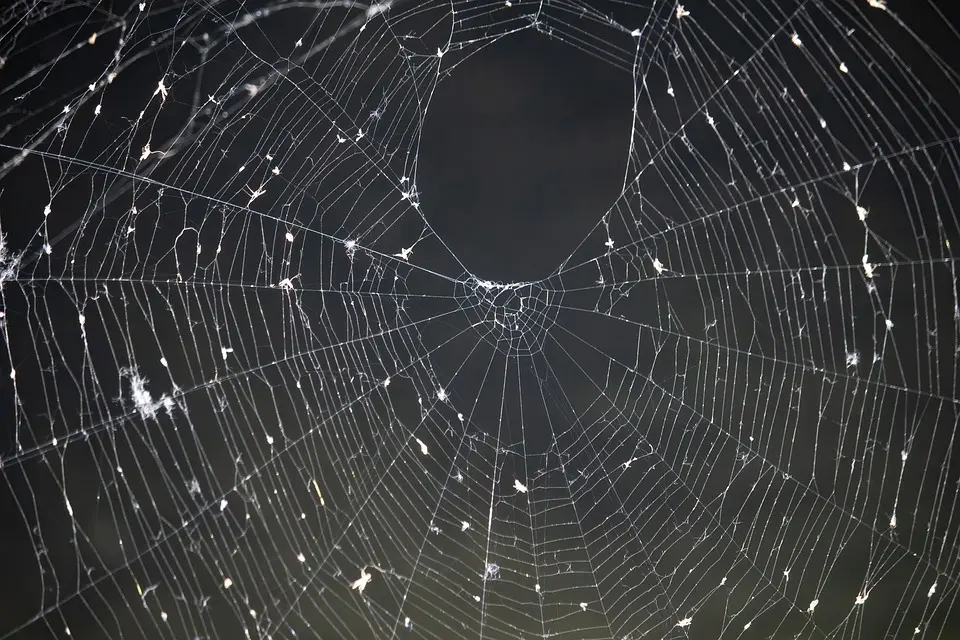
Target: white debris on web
316,488
519,486
143,400
423,446
464,525
681,12
361,583
813,605
351,247
861,598
686,622
9,263
862,212
795,39
657,265
932,590
583,606
878,4
227,583
867,267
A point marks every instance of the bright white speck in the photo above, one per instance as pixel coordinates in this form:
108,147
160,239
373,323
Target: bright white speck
163,616
686,622
658,265
227,583
477,598
861,598
844,68
301,557
361,583
464,525
795,39
609,243
163,361
681,12
386,382
846,166
583,605
289,237
223,505
813,605
519,486
635,33
747,626
862,213
224,351
853,359
423,447
867,267
269,439
889,323
903,456
537,587
441,395
47,210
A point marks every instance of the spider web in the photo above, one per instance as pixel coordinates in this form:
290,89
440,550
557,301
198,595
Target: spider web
253,391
